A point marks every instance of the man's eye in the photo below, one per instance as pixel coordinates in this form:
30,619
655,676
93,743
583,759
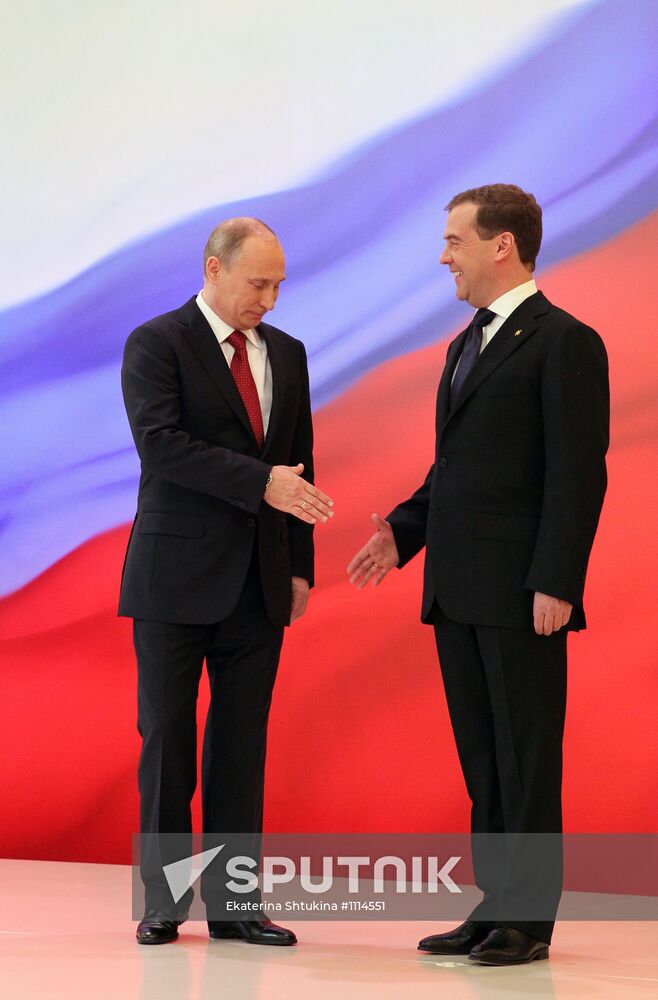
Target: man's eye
258,284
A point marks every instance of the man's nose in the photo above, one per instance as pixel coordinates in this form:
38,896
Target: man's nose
268,298
446,256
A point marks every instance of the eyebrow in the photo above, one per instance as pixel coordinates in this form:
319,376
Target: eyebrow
450,236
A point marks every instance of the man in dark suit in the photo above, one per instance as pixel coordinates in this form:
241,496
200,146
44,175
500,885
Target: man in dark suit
508,514
220,557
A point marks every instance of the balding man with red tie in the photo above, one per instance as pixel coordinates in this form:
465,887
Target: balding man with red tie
220,558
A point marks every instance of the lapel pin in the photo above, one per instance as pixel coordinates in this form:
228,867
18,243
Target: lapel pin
518,333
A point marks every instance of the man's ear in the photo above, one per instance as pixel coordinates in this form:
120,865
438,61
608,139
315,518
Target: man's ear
505,243
213,268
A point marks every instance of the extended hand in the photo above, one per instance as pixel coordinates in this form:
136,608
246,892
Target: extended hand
300,592
377,556
293,495
550,613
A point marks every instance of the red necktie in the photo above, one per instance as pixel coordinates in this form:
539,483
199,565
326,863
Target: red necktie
244,380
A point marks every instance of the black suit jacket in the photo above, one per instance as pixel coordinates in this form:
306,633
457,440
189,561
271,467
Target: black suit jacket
200,506
512,501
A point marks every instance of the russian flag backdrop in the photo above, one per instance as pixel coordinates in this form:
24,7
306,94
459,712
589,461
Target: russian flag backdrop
378,123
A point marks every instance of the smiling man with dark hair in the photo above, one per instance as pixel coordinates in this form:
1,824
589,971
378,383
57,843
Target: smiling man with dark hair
508,514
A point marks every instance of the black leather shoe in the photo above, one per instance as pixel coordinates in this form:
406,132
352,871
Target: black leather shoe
154,929
507,946
457,942
252,931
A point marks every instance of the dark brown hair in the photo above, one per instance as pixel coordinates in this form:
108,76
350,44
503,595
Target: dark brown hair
506,208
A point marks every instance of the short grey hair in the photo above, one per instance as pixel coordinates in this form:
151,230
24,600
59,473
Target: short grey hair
226,239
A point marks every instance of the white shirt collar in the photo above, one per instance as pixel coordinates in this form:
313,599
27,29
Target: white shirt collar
505,304
221,329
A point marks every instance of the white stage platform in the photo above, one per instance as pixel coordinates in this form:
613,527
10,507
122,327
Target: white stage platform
66,933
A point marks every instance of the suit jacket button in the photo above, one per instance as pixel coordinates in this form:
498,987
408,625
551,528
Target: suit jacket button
443,461
240,503
251,521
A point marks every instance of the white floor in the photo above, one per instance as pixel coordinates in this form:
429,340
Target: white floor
65,932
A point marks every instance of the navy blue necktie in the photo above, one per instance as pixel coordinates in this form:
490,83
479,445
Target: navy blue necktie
470,351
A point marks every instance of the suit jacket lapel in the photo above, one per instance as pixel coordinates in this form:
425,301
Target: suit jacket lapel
277,364
443,394
515,331
211,357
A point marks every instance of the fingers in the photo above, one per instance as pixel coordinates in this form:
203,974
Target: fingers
315,504
298,608
357,562
375,573
312,505
358,576
551,620
367,574
300,595
544,622
310,510
365,566
377,558
561,618
307,514
318,499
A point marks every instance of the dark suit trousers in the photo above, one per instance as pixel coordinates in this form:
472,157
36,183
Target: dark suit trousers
242,655
506,693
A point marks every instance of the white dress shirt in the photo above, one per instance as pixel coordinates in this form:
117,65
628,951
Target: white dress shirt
256,356
503,306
